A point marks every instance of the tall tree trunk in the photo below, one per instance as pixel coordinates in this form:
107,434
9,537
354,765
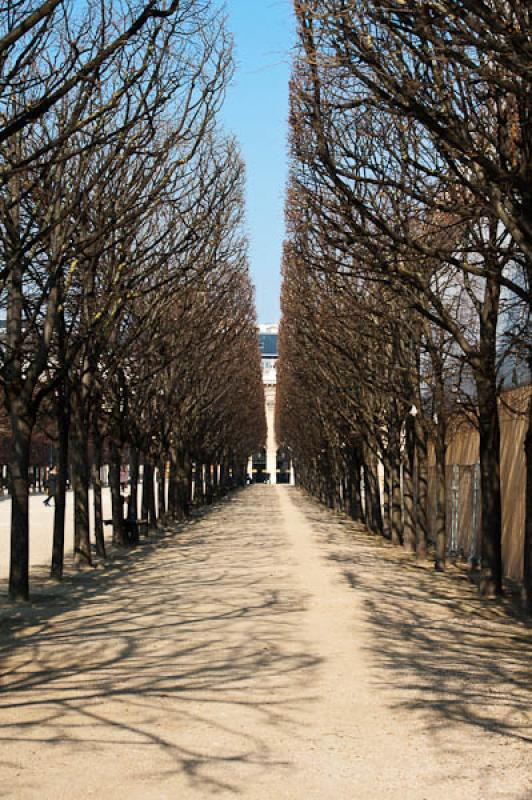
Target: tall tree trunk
186,469
161,480
97,492
410,516
527,545
17,403
199,487
189,481
152,508
117,504
373,495
395,481
182,463
134,460
19,461
490,444
440,449
63,430
490,489
223,477
387,499
173,502
440,453
208,484
348,490
216,480
422,529
80,480
147,475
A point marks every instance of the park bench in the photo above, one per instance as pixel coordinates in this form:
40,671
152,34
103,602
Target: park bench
130,524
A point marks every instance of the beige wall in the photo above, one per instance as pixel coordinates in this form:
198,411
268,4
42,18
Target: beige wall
271,444
462,449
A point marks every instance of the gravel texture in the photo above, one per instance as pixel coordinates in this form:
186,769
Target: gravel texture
270,649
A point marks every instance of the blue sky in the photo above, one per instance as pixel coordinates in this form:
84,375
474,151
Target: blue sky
256,111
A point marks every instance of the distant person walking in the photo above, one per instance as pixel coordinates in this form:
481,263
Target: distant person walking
52,486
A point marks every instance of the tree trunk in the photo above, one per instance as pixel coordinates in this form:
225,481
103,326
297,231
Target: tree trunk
410,517
63,429
161,470
208,484
527,547
396,515
441,499
17,404
183,467
373,495
173,502
490,488
422,492
199,486
80,480
223,478
18,469
181,489
440,452
490,443
97,491
117,504
152,508
387,499
189,482
133,508
147,474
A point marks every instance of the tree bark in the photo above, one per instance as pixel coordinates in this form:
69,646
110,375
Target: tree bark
223,477
373,495
21,429
199,486
441,500
80,480
395,481
173,488
490,483
147,475
208,484
410,516
490,444
161,479
183,471
387,499
97,491
63,428
117,504
152,508
527,545
134,480
422,481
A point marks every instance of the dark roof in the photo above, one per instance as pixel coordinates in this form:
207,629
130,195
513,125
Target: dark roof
268,344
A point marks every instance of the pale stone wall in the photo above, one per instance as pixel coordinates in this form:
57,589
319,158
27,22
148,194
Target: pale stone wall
463,450
271,444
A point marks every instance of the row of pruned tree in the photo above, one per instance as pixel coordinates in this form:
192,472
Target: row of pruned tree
408,264
129,314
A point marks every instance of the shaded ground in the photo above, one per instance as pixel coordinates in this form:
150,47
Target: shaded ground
268,650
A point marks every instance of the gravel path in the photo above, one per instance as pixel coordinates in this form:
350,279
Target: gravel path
269,650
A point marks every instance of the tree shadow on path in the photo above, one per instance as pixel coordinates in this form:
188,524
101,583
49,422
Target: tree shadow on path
174,657
454,658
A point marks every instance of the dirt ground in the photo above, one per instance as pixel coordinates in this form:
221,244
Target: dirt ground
269,650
